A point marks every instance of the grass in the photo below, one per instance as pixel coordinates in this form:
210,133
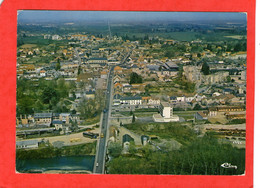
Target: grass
28,46
178,131
91,121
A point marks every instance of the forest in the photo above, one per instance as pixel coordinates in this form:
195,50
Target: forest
203,156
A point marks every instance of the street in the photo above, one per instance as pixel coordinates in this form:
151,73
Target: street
101,152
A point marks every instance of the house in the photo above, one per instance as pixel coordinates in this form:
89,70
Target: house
127,88
57,124
116,100
145,99
116,79
212,111
127,139
118,87
27,144
230,109
65,117
43,118
131,100
75,117
154,101
90,94
216,94
235,116
118,69
103,74
201,116
181,99
173,99
42,73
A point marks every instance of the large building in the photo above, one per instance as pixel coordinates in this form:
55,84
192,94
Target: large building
165,110
97,60
166,114
171,66
132,100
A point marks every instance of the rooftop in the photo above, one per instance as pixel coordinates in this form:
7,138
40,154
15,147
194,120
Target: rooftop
42,115
165,104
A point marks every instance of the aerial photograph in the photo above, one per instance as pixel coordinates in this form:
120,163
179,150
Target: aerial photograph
123,92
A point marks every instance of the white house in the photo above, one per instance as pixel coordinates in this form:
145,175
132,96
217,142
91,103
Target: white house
132,100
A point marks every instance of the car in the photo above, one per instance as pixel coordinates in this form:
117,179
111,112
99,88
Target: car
97,165
101,135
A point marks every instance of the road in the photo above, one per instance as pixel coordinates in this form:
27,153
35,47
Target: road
99,165
101,152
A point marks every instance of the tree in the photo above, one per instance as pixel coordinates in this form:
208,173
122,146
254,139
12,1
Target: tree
58,65
115,149
133,119
135,78
197,107
228,79
147,88
48,94
205,69
132,148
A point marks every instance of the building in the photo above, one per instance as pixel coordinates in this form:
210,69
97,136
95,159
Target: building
144,139
27,144
126,142
43,118
65,117
56,37
98,60
201,116
165,114
171,66
235,116
243,75
132,100
57,124
165,110
212,111
90,94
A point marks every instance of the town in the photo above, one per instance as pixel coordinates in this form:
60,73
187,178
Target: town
133,99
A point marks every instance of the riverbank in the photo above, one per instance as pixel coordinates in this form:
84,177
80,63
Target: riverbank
58,172
58,165
67,172
51,152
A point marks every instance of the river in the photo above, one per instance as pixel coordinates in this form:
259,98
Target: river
72,163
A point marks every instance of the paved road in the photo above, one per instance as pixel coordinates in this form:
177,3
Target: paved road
99,165
101,152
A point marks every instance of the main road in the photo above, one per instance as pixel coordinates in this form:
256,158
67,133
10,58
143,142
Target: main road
99,166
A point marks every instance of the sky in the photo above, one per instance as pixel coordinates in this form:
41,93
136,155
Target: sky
124,16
